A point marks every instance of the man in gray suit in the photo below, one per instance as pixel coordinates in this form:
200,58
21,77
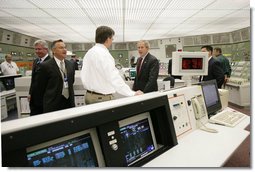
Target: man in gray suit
55,80
147,69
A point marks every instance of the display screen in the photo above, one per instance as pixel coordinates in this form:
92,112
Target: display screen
192,63
9,83
74,152
211,96
138,141
132,73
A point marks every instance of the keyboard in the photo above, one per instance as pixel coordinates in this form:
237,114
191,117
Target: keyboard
228,118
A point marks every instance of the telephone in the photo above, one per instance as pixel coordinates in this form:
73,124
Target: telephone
200,113
198,106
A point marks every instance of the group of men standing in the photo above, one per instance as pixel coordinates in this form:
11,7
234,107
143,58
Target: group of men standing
52,78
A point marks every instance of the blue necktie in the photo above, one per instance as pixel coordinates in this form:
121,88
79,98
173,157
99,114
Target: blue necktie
39,61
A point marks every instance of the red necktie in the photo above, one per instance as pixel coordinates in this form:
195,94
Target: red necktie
139,64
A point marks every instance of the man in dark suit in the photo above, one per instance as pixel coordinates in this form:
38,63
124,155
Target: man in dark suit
147,69
214,68
75,61
55,80
34,97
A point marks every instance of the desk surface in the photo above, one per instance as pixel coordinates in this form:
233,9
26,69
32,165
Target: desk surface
7,92
203,149
10,76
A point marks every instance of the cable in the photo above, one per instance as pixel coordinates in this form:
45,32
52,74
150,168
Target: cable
204,128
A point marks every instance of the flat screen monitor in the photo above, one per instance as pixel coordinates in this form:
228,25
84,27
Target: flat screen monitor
189,63
211,96
76,150
138,137
9,83
132,73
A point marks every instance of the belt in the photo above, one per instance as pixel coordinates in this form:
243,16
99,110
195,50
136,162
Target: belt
93,92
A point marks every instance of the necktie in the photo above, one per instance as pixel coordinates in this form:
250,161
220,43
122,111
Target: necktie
139,64
39,61
65,91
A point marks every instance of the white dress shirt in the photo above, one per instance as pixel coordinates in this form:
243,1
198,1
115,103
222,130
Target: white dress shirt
100,75
58,63
9,68
43,58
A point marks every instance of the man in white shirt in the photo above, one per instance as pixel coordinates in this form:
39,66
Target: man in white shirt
99,76
8,67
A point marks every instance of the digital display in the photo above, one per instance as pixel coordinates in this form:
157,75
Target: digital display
74,152
210,94
137,140
192,63
132,73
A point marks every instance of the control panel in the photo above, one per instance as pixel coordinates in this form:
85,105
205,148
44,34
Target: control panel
180,115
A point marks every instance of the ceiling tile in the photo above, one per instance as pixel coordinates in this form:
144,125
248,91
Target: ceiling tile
132,20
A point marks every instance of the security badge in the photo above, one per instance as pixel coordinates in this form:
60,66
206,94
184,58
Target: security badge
65,82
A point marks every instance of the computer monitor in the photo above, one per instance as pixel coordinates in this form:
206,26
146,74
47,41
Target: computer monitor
190,63
132,73
8,81
211,96
2,87
138,137
76,150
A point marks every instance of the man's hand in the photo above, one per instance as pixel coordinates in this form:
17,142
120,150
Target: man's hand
29,98
139,92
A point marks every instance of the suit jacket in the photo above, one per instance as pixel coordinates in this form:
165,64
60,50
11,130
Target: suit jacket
36,103
50,85
75,64
215,72
146,81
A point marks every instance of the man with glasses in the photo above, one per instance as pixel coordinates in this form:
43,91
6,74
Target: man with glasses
8,67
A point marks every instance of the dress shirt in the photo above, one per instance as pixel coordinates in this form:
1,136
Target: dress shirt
99,73
202,76
43,58
58,63
64,68
9,68
141,63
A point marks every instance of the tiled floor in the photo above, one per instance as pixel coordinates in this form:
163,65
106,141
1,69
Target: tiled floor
12,114
242,156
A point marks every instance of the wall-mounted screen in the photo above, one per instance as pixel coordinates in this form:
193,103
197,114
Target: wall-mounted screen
76,150
190,63
138,137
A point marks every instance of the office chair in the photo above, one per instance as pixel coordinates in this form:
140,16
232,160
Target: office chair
171,79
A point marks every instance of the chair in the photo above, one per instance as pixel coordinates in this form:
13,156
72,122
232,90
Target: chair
171,79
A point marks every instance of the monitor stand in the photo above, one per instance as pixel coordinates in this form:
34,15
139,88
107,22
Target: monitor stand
187,80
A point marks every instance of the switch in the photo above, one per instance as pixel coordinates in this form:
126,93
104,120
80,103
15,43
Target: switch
110,133
114,147
174,118
111,142
189,102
